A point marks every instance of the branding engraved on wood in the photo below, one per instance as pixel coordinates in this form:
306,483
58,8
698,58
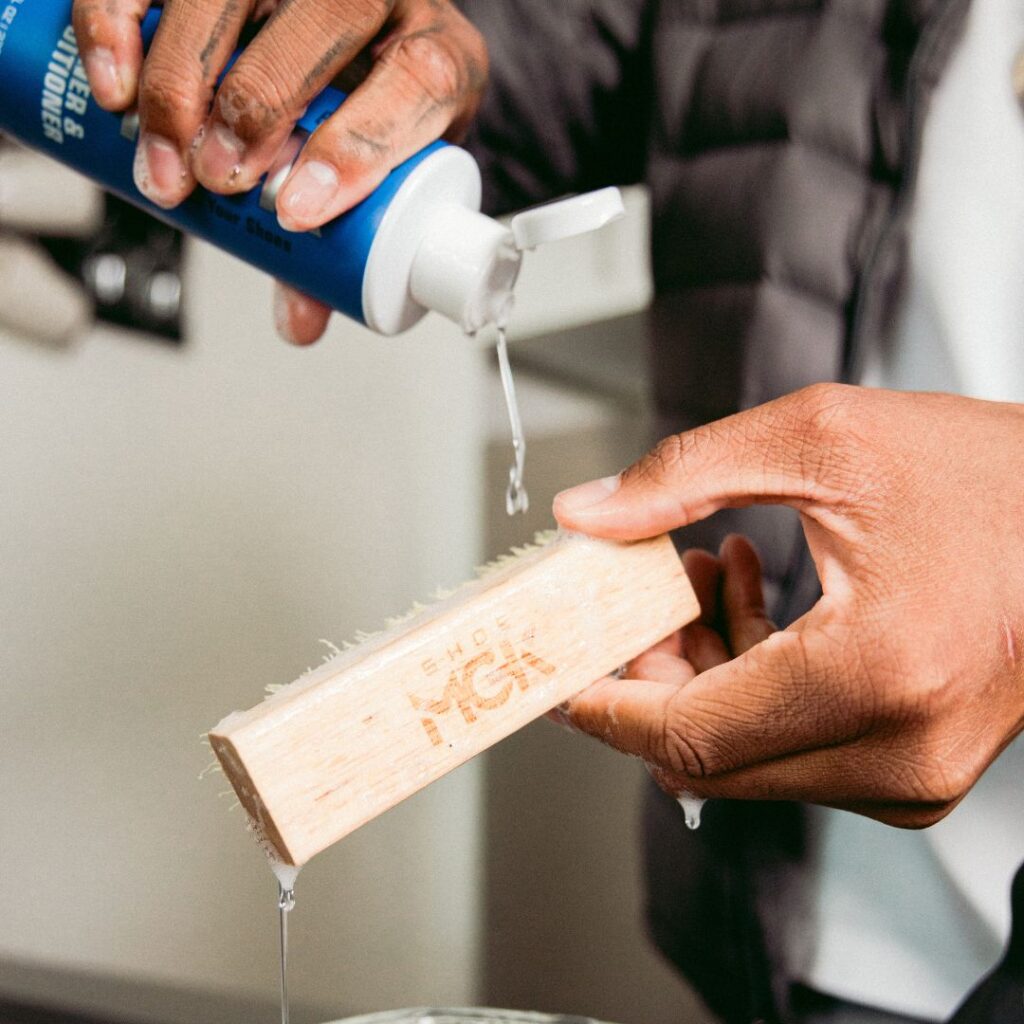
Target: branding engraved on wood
483,673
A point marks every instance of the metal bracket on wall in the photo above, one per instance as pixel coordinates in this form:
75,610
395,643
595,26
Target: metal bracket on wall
132,269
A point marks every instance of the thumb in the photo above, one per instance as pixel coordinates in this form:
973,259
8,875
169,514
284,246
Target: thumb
784,452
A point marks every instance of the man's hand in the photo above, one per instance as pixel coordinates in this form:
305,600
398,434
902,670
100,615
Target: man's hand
425,68
897,690
732,620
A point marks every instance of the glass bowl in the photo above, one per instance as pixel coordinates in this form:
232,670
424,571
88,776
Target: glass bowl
464,1015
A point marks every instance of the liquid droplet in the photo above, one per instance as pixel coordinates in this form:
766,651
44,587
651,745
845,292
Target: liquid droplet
285,905
692,806
516,498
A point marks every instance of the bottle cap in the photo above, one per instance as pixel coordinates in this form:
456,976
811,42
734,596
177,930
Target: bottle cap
566,218
434,250
467,266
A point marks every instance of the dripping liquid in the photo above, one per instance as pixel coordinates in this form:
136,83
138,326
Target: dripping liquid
692,806
285,905
516,498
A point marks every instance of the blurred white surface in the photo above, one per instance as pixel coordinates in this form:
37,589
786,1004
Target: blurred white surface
178,528
39,197
589,278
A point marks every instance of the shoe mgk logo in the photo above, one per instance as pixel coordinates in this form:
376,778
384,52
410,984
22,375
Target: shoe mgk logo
481,677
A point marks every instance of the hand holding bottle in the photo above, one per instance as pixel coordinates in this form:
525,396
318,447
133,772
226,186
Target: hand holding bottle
422,68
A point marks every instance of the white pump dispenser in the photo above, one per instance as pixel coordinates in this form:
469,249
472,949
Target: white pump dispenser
434,250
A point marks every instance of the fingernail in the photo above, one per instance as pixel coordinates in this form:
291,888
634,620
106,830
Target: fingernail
283,313
219,156
104,76
160,173
306,195
587,496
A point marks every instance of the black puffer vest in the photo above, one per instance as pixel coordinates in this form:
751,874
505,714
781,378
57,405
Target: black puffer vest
779,140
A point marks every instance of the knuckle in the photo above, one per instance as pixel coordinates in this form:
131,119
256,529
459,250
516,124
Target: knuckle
667,457
787,656
430,61
912,695
680,752
828,447
168,100
355,153
954,771
934,779
253,100
684,746
825,408
90,19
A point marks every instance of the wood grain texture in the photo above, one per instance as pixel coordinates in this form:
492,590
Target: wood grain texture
381,721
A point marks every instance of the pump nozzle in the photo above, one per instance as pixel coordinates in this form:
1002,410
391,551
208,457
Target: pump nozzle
434,250
468,264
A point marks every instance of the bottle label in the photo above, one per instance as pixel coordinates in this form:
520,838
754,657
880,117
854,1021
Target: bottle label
48,106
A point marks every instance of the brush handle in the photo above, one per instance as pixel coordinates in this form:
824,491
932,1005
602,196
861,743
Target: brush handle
380,722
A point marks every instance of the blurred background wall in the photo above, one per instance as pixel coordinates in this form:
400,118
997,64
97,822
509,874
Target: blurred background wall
178,528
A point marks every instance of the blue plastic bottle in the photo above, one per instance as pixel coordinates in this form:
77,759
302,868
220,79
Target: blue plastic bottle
417,243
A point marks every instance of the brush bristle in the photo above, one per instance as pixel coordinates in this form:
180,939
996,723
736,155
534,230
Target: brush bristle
392,624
